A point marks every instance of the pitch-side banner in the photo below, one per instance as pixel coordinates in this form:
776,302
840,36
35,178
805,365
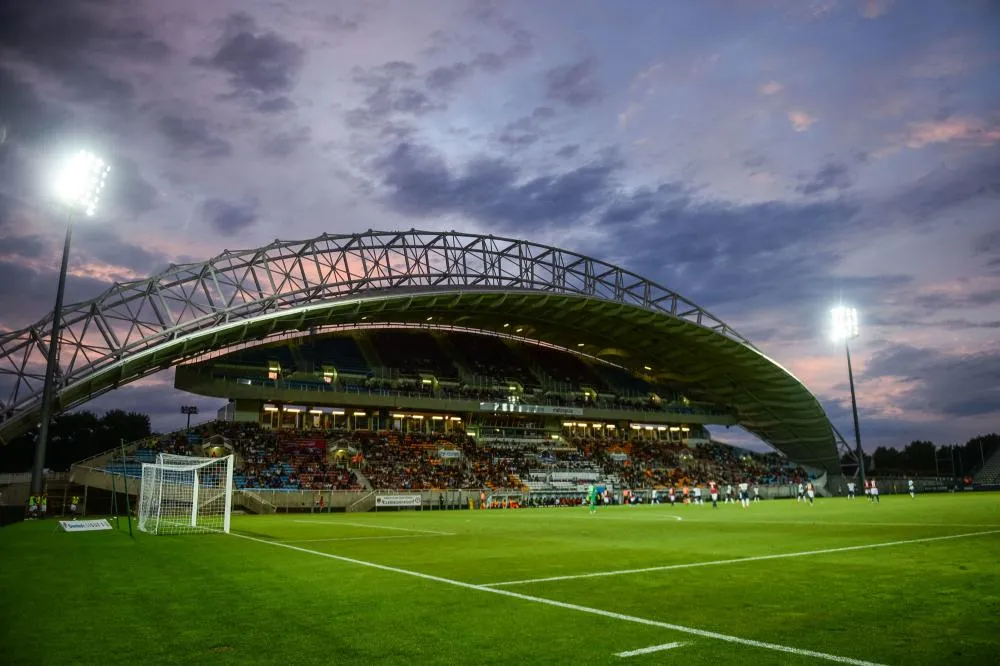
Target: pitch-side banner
85,525
397,500
529,409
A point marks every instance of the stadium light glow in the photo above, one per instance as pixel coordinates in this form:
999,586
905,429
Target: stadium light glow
845,323
647,368
79,181
360,414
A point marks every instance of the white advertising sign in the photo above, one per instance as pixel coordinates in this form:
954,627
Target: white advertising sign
397,500
85,525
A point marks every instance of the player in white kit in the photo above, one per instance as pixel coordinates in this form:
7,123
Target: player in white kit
850,490
744,494
873,492
911,488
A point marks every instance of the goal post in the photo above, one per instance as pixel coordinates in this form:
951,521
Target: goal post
184,495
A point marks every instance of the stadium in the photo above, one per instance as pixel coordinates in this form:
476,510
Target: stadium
427,334
410,420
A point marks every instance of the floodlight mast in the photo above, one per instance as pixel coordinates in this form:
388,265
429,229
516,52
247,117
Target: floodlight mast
845,327
78,186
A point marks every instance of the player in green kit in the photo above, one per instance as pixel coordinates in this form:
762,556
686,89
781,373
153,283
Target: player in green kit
592,498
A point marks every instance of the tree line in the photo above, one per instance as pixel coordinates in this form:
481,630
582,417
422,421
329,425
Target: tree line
73,437
925,458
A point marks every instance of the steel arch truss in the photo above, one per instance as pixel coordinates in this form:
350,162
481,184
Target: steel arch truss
137,328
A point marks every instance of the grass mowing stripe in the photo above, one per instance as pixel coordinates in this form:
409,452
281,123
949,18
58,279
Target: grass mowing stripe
649,650
737,560
583,609
375,527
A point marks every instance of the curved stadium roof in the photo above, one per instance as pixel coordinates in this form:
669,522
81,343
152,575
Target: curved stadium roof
473,281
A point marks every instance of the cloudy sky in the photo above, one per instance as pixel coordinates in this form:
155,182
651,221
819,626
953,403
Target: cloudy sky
765,158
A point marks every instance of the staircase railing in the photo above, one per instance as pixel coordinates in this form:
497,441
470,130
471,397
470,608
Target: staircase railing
254,502
363,504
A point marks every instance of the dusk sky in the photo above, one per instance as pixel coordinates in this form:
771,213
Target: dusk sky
764,158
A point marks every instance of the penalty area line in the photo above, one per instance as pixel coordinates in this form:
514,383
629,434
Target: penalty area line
737,560
704,633
375,527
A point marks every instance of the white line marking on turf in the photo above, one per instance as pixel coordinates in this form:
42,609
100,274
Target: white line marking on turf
853,525
377,527
583,609
737,560
648,650
365,538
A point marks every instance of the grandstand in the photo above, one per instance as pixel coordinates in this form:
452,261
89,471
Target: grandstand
408,359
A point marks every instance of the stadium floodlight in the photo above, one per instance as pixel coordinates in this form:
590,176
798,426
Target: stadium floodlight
189,410
845,323
78,184
80,181
845,327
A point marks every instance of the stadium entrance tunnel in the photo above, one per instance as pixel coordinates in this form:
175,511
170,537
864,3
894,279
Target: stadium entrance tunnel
439,280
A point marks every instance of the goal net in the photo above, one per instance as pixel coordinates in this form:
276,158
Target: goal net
183,495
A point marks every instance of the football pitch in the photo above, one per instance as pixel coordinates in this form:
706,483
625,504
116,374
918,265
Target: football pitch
903,582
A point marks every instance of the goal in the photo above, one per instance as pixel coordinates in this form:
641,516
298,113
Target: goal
184,495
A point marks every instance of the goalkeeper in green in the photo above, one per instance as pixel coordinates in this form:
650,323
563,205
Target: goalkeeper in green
592,498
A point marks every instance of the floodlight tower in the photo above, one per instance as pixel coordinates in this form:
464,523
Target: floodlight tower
189,410
845,327
78,186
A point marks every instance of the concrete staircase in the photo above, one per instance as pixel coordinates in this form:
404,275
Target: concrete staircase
365,503
990,473
368,351
456,358
250,501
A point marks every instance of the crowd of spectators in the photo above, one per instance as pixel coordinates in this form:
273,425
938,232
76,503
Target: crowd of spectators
343,460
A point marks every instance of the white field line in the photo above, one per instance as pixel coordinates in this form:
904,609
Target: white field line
582,609
649,650
334,523
737,560
365,538
863,524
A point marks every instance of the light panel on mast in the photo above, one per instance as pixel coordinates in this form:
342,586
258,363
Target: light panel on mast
80,181
845,323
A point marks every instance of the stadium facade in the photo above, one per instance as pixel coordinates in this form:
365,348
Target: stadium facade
388,327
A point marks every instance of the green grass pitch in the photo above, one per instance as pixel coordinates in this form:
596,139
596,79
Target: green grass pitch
275,596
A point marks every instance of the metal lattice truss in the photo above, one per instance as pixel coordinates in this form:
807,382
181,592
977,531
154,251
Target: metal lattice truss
137,328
